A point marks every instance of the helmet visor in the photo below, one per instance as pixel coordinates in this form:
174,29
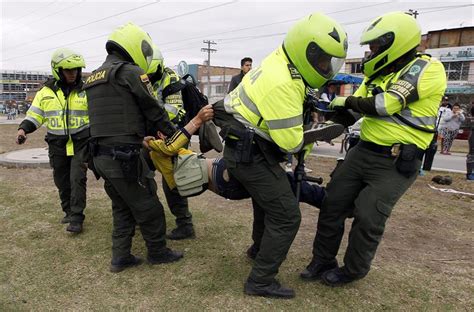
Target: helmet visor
147,51
325,64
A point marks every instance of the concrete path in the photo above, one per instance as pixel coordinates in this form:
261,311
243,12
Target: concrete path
450,163
38,157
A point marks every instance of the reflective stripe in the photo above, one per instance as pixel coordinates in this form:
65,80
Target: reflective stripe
380,105
57,132
75,112
248,102
285,123
258,131
171,109
420,121
36,110
53,113
36,122
76,130
426,122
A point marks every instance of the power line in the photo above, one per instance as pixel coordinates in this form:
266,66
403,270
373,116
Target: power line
271,24
283,33
435,9
58,11
86,24
104,35
35,10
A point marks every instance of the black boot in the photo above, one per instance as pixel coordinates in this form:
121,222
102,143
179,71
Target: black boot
74,227
182,232
336,277
315,269
118,265
165,256
272,290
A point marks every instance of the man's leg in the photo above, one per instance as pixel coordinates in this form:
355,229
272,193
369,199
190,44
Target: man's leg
384,187
61,175
123,221
337,205
78,186
179,208
144,205
271,193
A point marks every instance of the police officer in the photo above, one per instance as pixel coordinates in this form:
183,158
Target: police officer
164,80
266,123
62,105
399,99
121,103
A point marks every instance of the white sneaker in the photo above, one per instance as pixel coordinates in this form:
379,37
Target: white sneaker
288,168
307,170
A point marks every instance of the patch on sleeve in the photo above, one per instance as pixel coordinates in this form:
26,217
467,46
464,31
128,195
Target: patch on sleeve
146,81
97,77
144,78
405,88
295,74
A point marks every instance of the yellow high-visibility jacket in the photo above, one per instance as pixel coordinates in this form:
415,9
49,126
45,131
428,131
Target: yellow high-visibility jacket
270,99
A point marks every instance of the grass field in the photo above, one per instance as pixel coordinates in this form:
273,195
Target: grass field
425,261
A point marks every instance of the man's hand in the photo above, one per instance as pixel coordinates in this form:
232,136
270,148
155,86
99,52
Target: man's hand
338,103
20,136
206,113
146,141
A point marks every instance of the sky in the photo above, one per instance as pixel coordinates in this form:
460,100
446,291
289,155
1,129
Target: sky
33,30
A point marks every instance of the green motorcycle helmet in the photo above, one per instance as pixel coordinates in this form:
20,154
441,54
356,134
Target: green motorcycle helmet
133,43
317,47
67,59
157,62
394,34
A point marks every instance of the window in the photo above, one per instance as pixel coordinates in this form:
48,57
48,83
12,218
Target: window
356,68
457,70
220,89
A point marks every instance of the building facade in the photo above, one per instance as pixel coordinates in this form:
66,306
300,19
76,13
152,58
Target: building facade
213,82
18,88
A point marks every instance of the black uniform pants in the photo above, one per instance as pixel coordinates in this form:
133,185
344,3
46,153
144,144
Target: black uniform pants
70,177
367,185
132,203
178,205
276,213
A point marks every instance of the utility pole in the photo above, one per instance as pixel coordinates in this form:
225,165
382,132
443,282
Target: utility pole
414,13
208,50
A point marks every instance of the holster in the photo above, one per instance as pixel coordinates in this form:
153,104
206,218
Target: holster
242,142
128,155
406,161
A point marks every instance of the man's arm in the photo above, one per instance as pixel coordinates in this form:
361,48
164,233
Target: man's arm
138,83
233,83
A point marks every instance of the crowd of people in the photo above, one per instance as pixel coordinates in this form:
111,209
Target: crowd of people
123,122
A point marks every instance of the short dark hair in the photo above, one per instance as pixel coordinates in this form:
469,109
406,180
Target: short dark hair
457,104
245,59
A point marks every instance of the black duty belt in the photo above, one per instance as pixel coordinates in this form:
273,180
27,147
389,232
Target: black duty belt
388,151
122,152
